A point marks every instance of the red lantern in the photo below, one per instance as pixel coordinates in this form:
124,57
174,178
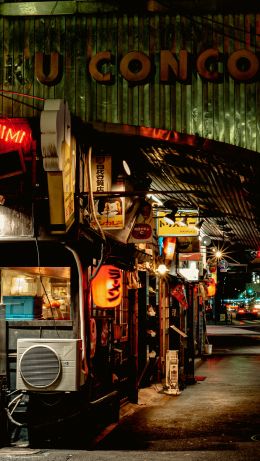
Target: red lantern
107,287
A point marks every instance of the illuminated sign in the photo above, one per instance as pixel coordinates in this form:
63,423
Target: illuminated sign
107,287
15,140
182,226
8,134
169,246
14,132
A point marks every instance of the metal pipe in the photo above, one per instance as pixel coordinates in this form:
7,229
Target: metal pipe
81,309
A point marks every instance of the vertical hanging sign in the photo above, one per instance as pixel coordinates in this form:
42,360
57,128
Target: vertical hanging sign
109,211
101,173
58,151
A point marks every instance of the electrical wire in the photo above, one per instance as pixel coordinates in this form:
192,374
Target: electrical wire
22,103
231,26
217,31
9,415
24,95
16,401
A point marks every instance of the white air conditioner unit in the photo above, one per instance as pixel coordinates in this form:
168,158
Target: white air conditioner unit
48,364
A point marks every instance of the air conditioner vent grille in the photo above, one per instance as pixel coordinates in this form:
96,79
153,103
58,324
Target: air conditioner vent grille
40,366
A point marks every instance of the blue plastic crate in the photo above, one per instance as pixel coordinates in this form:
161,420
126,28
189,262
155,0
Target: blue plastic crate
19,307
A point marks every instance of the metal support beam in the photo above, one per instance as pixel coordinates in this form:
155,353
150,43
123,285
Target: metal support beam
141,193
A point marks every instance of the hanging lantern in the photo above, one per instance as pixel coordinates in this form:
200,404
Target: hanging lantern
107,287
211,287
169,245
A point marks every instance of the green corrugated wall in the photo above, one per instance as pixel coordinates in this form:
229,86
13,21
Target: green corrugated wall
227,111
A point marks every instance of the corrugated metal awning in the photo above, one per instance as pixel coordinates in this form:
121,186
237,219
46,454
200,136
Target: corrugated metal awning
186,171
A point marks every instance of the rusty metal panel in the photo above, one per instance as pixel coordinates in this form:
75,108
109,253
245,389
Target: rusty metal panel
226,111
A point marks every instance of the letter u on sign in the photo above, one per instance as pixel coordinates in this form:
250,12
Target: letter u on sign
107,287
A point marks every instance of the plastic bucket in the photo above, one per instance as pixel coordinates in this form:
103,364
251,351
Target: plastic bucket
208,349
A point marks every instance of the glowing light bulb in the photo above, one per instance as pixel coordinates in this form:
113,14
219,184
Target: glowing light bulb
162,269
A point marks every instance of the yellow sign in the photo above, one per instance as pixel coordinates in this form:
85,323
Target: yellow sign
182,226
110,212
59,161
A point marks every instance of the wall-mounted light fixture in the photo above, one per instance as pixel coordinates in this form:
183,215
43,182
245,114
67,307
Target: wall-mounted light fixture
205,240
126,168
218,254
155,200
162,269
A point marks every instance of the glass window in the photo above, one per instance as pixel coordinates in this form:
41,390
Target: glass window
36,293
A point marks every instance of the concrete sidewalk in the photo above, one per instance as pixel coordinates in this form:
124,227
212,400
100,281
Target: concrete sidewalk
218,416
153,395
147,396
214,420
228,330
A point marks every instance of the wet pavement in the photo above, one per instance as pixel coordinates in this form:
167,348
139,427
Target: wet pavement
220,412
217,418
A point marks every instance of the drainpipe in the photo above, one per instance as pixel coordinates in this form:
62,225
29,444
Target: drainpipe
81,313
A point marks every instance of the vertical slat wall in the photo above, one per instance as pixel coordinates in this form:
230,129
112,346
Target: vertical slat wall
228,111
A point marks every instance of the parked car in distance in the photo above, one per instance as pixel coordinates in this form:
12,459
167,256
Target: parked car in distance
246,312
232,310
257,307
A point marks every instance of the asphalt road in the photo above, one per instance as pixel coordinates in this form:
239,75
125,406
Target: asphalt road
218,418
